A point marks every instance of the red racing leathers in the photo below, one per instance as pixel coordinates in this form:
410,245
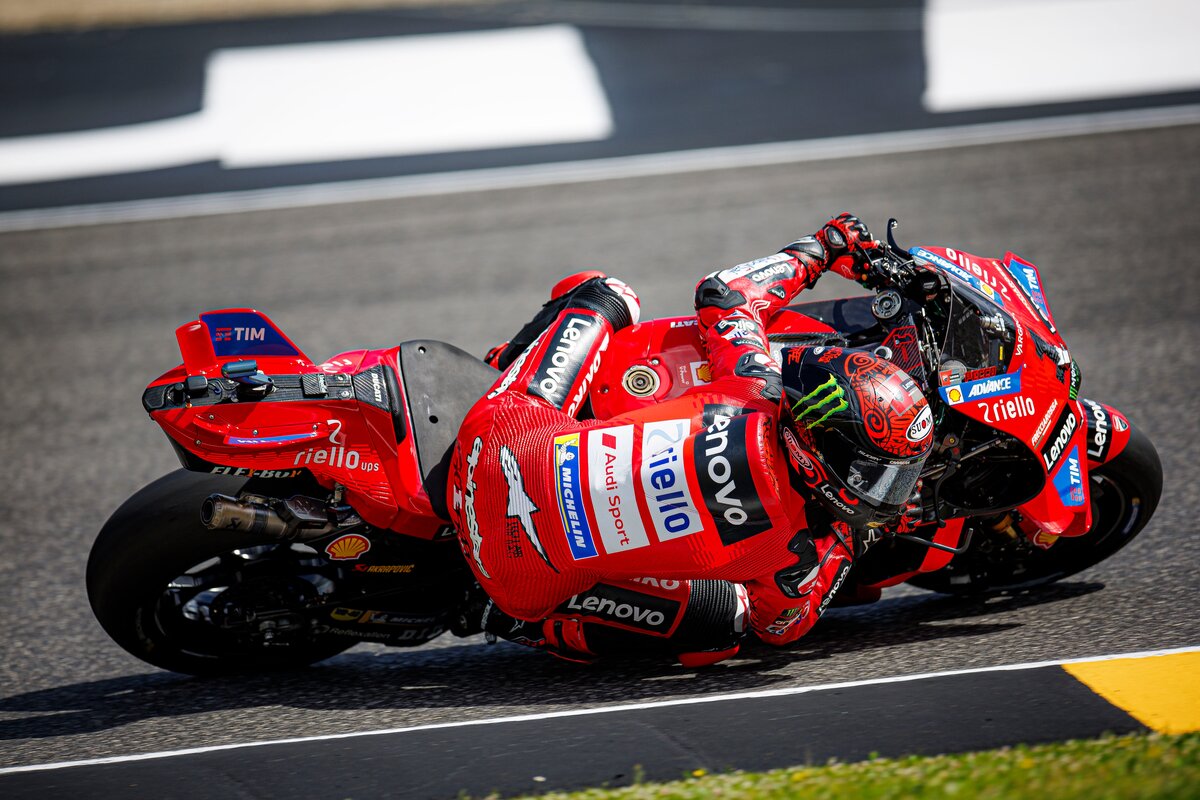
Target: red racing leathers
548,506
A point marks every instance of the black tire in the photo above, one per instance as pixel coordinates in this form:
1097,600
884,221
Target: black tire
1125,493
151,540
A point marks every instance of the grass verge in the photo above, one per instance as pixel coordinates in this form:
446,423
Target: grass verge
1146,766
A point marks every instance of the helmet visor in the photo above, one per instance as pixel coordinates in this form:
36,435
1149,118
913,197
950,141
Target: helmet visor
882,484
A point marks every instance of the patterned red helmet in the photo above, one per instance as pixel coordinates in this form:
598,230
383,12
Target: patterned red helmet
857,430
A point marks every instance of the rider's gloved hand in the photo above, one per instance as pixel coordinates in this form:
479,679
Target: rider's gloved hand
847,241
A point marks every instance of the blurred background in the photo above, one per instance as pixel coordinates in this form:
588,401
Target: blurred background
114,100
369,172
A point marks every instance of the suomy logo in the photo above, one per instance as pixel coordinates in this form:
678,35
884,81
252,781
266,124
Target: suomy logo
921,426
793,448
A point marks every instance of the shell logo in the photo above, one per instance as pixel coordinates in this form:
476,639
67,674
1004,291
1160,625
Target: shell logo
348,547
955,395
1044,540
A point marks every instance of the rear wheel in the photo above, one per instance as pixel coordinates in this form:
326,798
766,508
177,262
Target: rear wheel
187,599
1124,495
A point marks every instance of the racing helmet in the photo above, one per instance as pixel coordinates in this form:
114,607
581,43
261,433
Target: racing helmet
856,430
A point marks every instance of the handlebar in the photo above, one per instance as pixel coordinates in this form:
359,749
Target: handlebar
888,269
890,266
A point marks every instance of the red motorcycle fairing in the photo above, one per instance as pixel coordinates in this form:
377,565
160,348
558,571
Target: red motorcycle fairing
344,421
1107,432
1031,393
1028,393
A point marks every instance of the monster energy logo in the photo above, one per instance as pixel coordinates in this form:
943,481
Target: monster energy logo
828,394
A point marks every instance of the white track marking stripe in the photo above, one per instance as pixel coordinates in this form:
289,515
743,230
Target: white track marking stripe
991,54
717,698
686,161
336,101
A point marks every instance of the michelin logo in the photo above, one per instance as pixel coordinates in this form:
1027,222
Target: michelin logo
570,497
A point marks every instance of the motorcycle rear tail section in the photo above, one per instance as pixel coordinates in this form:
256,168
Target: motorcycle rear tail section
377,422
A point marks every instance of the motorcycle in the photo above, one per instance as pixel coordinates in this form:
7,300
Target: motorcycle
309,513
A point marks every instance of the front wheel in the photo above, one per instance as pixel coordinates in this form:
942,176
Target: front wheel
1124,495
191,600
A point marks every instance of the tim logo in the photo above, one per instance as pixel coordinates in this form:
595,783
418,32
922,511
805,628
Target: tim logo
240,335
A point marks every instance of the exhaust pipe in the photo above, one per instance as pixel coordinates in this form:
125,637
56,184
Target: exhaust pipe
295,519
220,512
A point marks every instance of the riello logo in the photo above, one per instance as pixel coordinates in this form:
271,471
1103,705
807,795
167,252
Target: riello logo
337,457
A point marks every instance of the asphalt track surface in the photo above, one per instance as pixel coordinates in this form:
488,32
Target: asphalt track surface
87,315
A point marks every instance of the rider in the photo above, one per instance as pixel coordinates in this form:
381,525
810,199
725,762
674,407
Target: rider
747,498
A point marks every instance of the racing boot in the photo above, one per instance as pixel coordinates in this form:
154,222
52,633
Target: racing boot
561,638
502,355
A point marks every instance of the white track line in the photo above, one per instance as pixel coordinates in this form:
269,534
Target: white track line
322,102
1048,51
716,158
716,698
